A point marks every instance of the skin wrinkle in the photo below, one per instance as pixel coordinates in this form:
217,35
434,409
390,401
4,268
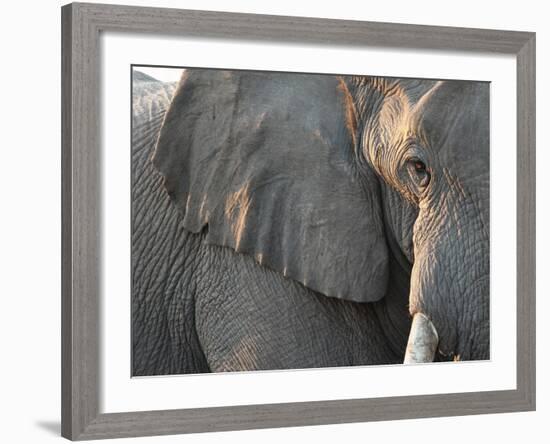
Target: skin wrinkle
287,326
393,128
176,279
159,344
244,355
157,314
154,244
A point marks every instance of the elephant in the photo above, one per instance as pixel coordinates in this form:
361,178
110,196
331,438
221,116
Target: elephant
286,221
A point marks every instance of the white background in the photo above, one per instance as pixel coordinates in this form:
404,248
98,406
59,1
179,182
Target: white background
120,393
30,222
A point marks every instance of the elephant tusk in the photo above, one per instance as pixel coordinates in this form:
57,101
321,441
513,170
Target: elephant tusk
423,340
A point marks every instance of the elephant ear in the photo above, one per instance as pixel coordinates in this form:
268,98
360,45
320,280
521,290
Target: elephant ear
265,164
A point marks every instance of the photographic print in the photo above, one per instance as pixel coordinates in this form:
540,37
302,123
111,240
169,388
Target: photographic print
293,220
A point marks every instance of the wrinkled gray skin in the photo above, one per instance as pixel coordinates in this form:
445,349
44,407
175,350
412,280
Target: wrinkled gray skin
287,221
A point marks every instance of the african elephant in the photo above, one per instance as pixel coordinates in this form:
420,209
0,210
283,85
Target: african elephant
294,221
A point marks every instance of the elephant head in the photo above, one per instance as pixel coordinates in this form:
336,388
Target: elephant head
323,178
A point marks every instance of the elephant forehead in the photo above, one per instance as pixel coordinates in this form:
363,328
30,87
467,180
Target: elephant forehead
456,125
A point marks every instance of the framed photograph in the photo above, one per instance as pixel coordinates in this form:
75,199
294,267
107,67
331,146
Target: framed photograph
278,221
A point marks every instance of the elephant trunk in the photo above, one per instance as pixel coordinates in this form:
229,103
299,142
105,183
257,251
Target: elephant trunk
423,340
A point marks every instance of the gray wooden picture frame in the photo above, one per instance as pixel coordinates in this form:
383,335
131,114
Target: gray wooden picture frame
81,172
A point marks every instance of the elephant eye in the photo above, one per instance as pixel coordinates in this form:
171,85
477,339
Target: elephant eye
419,166
419,172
